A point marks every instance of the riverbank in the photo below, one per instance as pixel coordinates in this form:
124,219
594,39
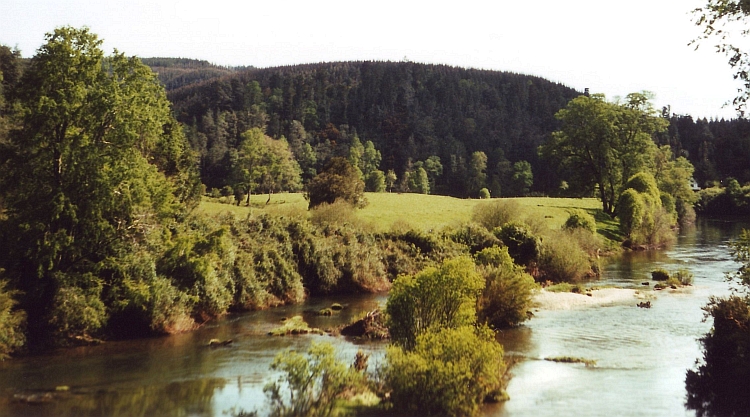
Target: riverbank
547,300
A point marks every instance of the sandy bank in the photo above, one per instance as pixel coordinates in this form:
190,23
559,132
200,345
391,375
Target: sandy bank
567,301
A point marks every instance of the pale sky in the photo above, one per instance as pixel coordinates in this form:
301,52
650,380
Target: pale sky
610,47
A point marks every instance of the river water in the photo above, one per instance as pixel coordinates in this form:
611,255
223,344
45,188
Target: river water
641,355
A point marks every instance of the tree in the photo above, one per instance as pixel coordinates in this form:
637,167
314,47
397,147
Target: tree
719,19
390,179
434,169
418,181
477,173
435,298
719,385
96,167
338,180
602,144
265,164
522,178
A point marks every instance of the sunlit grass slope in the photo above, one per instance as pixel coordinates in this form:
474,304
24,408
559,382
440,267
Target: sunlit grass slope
420,211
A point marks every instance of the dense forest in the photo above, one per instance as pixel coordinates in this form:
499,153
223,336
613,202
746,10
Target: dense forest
411,112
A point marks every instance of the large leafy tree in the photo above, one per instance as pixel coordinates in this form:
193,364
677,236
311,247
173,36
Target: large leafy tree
339,180
601,144
95,167
265,164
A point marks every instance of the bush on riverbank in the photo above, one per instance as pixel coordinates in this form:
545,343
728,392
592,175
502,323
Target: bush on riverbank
11,322
450,371
507,295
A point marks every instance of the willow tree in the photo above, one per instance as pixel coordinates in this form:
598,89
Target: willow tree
601,144
95,167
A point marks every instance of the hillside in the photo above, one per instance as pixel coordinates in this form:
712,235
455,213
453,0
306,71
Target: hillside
409,111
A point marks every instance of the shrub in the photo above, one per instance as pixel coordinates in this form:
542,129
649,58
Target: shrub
11,323
562,260
435,298
508,290
338,213
77,313
496,213
449,372
579,219
311,383
718,387
684,276
660,274
474,236
484,194
522,245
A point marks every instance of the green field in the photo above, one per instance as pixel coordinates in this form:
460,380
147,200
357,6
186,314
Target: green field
419,211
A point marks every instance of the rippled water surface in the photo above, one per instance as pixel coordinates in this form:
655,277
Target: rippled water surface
641,354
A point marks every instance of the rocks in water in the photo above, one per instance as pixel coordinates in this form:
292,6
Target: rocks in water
646,283
646,304
325,312
294,326
371,326
217,342
336,307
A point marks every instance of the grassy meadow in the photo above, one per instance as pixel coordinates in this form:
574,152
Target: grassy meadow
420,211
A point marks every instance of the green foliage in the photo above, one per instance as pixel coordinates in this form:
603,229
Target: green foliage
375,181
603,144
477,173
95,167
660,274
474,236
496,213
450,371
265,164
484,194
447,113
507,295
77,312
338,213
642,218
435,298
338,180
644,184
718,385
562,259
11,323
579,219
201,263
311,383
522,245
522,178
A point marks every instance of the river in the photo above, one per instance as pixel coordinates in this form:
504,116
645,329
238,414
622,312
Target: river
641,354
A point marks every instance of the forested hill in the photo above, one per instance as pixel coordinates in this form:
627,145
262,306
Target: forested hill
409,111
180,72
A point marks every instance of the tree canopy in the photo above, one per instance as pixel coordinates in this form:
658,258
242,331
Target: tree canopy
601,144
94,166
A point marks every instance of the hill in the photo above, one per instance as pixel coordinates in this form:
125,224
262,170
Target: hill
410,111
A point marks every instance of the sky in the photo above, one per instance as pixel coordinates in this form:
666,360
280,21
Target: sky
613,48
